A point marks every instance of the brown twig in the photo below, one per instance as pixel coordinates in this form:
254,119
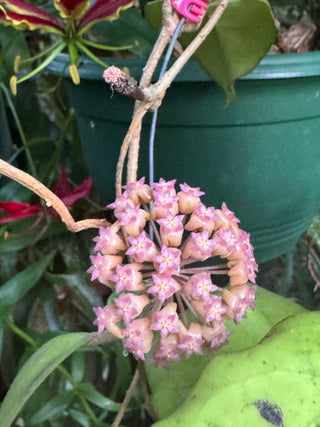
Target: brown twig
170,21
125,403
98,339
171,74
155,93
146,391
52,201
132,132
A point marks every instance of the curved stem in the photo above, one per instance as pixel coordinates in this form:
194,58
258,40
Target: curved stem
127,399
50,198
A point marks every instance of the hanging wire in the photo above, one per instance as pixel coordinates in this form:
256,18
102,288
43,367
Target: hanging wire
155,114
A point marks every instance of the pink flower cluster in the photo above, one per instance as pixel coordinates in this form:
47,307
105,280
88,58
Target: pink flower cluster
166,304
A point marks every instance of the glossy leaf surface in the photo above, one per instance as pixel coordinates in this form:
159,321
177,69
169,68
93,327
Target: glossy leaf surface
273,383
171,387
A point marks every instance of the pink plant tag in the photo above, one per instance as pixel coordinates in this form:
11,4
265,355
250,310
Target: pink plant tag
191,9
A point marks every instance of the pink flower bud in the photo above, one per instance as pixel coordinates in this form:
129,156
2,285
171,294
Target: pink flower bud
166,321
168,261
226,219
217,336
191,341
107,318
189,198
202,218
139,192
132,219
128,277
109,242
198,246
171,229
102,267
164,286
119,204
142,248
139,337
238,272
130,305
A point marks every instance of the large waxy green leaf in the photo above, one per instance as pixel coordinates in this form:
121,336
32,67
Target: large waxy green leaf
276,382
36,370
171,387
237,44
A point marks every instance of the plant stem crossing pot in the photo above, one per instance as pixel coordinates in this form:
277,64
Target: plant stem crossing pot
261,155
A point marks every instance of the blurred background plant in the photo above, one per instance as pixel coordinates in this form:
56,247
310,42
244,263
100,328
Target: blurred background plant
299,22
45,290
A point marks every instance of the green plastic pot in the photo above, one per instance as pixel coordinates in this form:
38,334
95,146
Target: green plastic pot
261,155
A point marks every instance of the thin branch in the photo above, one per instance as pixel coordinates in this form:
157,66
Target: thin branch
170,21
159,89
132,132
155,93
98,339
126,401
52,201
132,168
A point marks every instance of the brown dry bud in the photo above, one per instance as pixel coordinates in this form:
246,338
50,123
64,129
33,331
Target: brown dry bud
123,83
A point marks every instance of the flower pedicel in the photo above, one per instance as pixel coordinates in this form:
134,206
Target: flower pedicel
167,304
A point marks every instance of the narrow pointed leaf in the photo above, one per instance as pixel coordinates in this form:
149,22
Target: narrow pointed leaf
18,286
92,395
36,370
102,10
53,409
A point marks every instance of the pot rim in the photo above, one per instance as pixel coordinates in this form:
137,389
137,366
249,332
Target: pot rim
275,66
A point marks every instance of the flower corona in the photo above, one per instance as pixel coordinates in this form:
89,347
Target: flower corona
166,303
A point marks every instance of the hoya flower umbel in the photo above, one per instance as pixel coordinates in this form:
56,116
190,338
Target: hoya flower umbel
167,304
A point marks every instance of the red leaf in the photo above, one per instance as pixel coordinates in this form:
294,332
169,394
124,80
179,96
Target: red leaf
74,8
24,14
80,192
102,10
18,210
62,187
68,195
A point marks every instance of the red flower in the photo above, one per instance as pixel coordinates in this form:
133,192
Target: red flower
18,210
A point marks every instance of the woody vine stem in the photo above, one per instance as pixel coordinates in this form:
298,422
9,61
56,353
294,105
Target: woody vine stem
152,98
153,94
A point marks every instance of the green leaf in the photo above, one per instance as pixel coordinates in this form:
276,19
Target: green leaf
17,287
78,366
273,383
77,281
54,408
242,37
36,370
171,387
16,243
80,417
92,395
130,29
